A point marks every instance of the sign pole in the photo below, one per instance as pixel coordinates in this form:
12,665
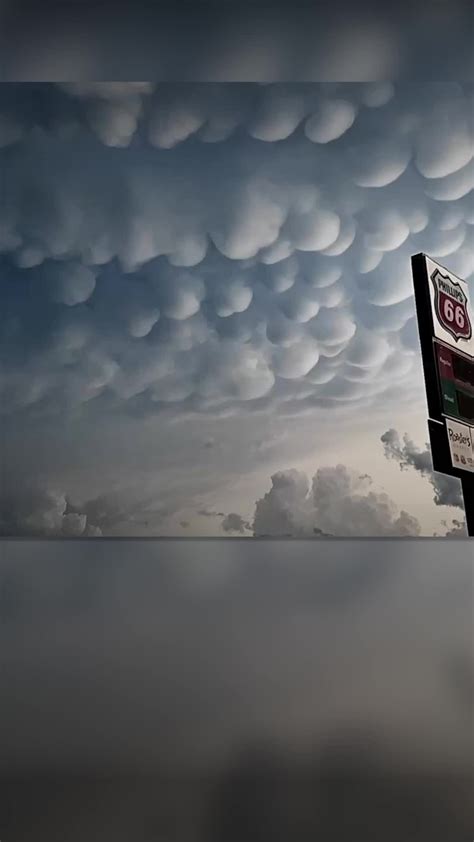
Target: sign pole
468,495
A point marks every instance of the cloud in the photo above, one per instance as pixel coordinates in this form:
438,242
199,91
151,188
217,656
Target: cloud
206,275
29,510
285,510
447,490
235,523
332,119
37,510
210,513
378,163
338,503
456,529
445,143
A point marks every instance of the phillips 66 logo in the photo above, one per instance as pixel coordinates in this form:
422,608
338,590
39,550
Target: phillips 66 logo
451,306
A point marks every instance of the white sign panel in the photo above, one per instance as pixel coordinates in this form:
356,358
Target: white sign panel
451,307
461,445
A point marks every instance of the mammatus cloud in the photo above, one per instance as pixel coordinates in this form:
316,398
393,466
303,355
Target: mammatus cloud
240,247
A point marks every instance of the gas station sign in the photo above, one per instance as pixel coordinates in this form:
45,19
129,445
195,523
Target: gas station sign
446,328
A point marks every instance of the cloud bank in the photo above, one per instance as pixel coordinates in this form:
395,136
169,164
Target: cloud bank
339,502
223,248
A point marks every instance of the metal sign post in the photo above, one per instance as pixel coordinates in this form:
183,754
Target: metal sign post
446,329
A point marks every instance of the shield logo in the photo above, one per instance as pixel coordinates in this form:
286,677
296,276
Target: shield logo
451,306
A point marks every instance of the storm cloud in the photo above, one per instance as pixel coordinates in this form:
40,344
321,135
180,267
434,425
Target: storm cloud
212,247
447,490
189,251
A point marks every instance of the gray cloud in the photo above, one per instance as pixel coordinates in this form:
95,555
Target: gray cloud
338,503
210,513
38,510
447,490
34,511
456,529
234,522
169,275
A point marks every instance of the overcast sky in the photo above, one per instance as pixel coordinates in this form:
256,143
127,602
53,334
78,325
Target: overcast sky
207,320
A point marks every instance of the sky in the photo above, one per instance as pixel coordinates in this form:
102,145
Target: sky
206,312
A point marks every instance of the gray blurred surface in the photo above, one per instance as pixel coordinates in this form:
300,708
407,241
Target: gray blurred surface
217,40
236,690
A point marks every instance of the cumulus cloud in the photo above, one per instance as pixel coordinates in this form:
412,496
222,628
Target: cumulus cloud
38,510
32,510
234,522
456,529
339,503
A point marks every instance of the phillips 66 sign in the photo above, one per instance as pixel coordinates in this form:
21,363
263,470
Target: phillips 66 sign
451,308
445,323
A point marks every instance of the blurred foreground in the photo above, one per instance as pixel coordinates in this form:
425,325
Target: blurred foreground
222,691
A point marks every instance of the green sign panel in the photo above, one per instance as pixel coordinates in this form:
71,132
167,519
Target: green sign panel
456,379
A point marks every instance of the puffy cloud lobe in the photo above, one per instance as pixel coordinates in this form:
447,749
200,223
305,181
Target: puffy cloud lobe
232,297
333,327
387,231
445,143
238,371
377,94
379,163
344,504
332,119
297,360
251,223
72,283
452,187
112,109
314,231
173,124
278,115
286,509
141,324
